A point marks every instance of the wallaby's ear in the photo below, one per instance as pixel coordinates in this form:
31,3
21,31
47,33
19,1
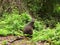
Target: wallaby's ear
33,20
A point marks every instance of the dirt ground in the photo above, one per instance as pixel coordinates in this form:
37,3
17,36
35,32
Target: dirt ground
7,41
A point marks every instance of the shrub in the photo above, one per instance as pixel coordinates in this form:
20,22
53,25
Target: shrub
13,22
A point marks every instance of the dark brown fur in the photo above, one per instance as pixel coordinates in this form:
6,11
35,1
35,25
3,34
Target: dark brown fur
29,28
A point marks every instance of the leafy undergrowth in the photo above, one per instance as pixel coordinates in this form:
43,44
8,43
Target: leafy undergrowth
51,35
12,24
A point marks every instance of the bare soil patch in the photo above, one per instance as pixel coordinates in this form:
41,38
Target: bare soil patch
24,41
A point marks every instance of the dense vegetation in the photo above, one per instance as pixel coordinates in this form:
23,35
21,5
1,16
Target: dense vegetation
13,19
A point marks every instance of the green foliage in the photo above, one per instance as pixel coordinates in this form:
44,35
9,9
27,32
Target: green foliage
44,9
4,42
57,8
38,25
48,34
45,34
13,23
